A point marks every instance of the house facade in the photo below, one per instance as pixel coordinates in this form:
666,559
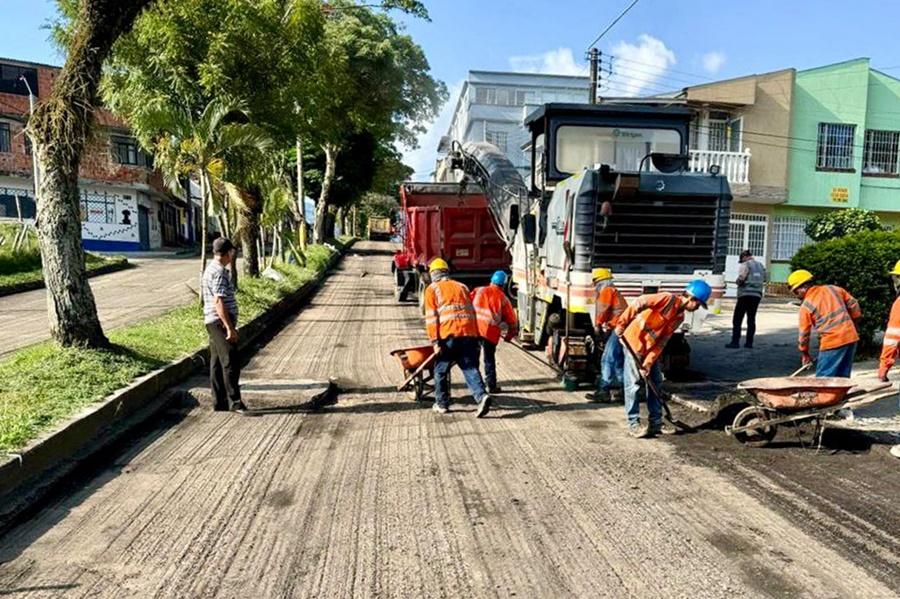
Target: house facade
125,206
492,107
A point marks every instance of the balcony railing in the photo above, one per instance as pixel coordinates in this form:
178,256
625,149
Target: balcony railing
733,165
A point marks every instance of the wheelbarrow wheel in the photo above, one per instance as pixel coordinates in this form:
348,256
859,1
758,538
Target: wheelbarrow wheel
760,433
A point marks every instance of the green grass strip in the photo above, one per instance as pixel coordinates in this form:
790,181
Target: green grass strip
43,384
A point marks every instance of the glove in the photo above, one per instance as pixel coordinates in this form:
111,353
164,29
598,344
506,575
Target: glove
806,358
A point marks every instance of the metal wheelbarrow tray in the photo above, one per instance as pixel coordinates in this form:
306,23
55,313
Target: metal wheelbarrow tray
784,400
418,368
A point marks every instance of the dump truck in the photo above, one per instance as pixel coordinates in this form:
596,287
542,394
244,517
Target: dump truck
609,187
449,221
380,228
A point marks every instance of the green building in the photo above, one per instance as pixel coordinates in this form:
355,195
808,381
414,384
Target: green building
797,143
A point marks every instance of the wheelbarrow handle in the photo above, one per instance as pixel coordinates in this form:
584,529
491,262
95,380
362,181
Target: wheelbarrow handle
418,371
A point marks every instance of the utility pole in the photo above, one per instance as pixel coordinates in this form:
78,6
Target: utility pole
594,57
34,158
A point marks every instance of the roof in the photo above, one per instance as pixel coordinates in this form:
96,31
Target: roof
519,76
28,63
662,110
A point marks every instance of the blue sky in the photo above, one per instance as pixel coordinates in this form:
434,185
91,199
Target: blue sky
669,43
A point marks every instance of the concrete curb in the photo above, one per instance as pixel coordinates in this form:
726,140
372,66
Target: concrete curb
29,478
32,285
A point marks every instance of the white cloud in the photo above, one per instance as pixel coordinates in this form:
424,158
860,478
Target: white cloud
555,62
713,61
423,158
638,67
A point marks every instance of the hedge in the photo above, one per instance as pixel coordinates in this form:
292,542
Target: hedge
859,263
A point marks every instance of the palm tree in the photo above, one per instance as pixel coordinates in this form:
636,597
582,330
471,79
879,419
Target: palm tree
198,147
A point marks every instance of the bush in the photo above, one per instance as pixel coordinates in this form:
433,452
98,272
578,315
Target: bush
858,263
840,223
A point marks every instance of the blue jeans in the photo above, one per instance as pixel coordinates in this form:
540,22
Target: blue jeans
462,351
633,384
612,364
490,363
836,362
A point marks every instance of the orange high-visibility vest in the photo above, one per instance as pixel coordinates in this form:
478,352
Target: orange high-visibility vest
891,339
832,310
448,311
610,305
648,323
493,308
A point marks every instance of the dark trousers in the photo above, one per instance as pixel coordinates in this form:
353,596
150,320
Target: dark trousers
224,368
490,363
748,305
462,351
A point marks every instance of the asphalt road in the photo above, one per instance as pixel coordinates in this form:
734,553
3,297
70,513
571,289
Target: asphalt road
151,287
378,496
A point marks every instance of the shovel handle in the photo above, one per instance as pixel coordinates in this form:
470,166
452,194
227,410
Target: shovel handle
647,380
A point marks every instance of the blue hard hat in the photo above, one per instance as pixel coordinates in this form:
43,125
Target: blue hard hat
499,278
699,290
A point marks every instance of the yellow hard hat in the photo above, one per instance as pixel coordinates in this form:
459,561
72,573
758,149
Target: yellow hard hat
438,264
799,277
601,274
896,270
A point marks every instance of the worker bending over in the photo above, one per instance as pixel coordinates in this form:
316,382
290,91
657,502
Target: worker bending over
891,339
452,329
644,329
493,309
610,304
833,312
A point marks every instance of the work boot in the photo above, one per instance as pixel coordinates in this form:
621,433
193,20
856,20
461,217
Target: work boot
494,389
439,409
637,430
663,428
598,396
484,406
239,408
748,345
733,345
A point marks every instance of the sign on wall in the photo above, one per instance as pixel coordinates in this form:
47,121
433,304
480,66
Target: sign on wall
109,220
840,195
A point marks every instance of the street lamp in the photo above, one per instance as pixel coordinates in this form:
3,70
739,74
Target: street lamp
34,160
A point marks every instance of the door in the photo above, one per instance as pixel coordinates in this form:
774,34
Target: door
144,227
746,232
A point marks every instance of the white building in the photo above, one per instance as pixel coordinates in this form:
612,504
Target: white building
492,107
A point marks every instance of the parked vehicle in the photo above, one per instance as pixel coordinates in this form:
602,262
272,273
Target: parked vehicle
380,228
449,221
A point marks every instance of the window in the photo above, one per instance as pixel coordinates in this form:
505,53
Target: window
10,208
834,149
718,135
486,95
790,236
125,150
880,152
5,139
498,138
620,147
11,79
524,97
503,98
98,208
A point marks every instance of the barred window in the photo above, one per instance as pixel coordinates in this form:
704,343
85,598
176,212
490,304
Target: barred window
790,236
834,149
485,95
5,139
498,138
880,153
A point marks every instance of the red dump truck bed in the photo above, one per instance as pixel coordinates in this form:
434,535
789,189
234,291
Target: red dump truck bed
441,220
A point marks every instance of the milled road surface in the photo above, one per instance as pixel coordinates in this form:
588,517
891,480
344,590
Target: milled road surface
152,286
377,496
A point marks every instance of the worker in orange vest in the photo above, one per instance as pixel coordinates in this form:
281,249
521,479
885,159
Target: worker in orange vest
891,339
492,310
609,306
644,328
453,330
834,313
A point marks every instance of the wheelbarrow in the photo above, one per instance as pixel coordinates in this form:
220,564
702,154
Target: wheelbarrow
792,400
418,368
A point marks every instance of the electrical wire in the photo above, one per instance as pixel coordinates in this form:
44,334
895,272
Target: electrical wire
611,25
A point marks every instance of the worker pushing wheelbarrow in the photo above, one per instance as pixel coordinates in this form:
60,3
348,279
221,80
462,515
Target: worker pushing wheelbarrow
418,368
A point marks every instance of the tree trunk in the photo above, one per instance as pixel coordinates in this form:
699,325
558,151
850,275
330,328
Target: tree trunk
204,220
324,196
247,204
59,129
301,196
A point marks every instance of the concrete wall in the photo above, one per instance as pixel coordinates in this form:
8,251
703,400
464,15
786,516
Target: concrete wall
767,124
882,113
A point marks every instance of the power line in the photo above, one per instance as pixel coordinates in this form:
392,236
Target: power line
647,64
611,25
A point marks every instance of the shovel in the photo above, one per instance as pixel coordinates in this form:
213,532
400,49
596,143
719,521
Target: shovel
652,387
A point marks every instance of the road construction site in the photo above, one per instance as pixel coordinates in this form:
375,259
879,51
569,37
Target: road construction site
373,494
